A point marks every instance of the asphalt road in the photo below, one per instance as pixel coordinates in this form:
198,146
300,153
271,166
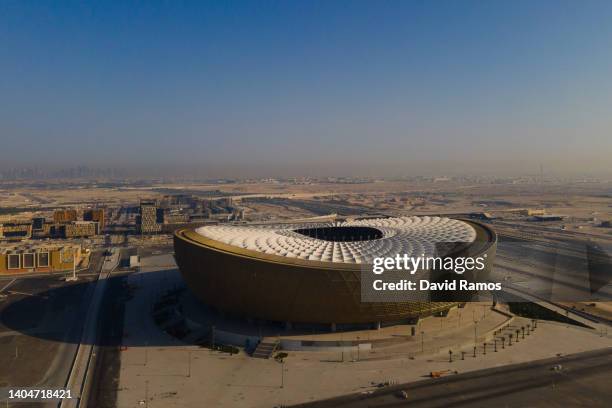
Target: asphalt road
556,271
582,381
40,318
105,379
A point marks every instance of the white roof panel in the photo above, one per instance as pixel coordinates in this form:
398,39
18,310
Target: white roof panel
413,236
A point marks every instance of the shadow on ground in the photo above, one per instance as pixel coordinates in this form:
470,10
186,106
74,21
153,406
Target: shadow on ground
56,311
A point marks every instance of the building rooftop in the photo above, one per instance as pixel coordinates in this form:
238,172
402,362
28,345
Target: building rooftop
32,247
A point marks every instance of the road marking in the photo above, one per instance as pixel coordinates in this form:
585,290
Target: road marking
7,285
78,375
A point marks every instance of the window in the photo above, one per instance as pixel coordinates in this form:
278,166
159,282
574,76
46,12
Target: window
67,255
43,259
14,261
28,261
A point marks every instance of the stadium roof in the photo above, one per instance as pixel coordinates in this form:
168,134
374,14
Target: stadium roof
357,241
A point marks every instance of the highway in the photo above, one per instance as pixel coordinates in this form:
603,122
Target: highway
81,366
558,271
549,272
579,380
41,316
56,322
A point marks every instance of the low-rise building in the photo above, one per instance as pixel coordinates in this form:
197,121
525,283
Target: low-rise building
176,218
80,229
134,261
39,258
48,230
530,212
96,215
548,217
38,223
481,216
17,230
64,215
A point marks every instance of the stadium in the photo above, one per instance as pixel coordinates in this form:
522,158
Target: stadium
310,273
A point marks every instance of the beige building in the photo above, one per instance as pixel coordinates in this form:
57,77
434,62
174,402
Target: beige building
95,214
66,215
30,258
531,211
77,229
16,230
148,220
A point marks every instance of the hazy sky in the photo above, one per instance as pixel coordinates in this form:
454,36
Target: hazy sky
308,87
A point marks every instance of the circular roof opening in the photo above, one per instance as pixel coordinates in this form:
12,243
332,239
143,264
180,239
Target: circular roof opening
355,241
342,234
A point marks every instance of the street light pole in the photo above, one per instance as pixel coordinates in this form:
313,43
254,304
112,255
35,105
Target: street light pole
73,277
189,364
422,342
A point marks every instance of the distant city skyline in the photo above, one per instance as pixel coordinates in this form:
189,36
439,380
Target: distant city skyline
239,89
188,173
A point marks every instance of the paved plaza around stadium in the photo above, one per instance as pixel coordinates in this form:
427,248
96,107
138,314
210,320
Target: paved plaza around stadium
167,373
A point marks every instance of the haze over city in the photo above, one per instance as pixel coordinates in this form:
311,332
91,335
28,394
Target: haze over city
321,204
228,89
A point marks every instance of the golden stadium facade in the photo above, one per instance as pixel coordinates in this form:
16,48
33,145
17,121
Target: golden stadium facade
311,273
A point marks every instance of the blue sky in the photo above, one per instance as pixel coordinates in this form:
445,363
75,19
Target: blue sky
336,87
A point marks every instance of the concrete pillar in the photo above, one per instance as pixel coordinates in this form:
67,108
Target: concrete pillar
377,325
288,326
333,327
